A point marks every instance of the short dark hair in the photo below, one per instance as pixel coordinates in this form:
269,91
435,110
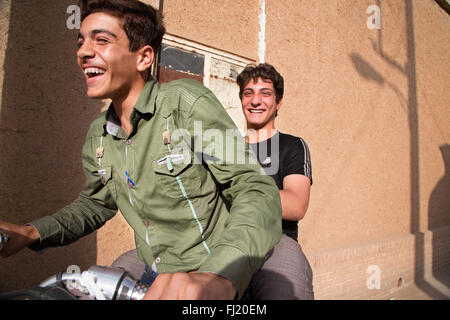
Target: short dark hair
264,71
142,23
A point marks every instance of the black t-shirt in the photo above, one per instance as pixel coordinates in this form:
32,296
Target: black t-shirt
280,156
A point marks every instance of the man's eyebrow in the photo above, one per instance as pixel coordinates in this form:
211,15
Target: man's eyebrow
97,31
261,89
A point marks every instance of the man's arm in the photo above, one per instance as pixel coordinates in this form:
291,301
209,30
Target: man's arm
88,212
254,224
295,196
296,173
79,218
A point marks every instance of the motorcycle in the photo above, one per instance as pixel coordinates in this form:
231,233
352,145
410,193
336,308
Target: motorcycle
97,283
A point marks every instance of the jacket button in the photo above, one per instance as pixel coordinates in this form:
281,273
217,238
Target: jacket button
146,223
128,141
102,180
158,260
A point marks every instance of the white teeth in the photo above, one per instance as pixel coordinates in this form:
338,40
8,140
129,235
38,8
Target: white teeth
93,71
256,111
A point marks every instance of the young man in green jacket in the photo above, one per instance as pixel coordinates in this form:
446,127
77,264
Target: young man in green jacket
203,215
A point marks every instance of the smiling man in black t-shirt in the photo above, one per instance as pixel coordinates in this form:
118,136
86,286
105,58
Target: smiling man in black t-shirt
287,273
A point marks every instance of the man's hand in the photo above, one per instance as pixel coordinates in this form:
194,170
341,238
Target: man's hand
191,286
20,237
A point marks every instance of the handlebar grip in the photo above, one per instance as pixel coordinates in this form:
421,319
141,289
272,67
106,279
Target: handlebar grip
118,284
139,291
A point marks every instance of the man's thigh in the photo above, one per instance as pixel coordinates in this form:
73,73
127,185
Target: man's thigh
130,262
286,274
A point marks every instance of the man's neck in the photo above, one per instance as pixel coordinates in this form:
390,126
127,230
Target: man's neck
258,135
124,106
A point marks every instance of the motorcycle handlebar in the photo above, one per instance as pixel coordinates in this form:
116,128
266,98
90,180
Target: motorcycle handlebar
100,283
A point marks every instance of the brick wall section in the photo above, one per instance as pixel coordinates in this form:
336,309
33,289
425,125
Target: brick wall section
342,273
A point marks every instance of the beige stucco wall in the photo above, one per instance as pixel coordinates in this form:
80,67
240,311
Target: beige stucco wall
374,125
374,108
352,104
351,123
229,25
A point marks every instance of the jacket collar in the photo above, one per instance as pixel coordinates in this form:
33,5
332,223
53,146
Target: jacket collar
146,104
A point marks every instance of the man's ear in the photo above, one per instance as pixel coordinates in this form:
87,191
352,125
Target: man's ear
145,58
278,107
279,104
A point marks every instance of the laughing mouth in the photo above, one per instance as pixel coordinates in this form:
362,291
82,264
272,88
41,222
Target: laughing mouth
256,111
94,72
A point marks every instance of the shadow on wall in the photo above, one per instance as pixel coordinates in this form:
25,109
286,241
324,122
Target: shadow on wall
439,197
44,118
438,216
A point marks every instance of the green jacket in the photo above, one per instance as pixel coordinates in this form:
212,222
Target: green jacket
188,186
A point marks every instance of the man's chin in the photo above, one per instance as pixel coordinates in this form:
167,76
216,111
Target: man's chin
254,125
96,95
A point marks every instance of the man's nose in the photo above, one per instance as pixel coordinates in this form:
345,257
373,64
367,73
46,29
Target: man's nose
85,51
256,101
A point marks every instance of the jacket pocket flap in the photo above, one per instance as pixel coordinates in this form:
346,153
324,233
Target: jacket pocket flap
171,164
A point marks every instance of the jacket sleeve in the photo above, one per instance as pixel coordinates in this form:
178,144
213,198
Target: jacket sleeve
254,224
93,207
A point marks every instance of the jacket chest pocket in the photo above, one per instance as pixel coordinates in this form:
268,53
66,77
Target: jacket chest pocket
176,176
